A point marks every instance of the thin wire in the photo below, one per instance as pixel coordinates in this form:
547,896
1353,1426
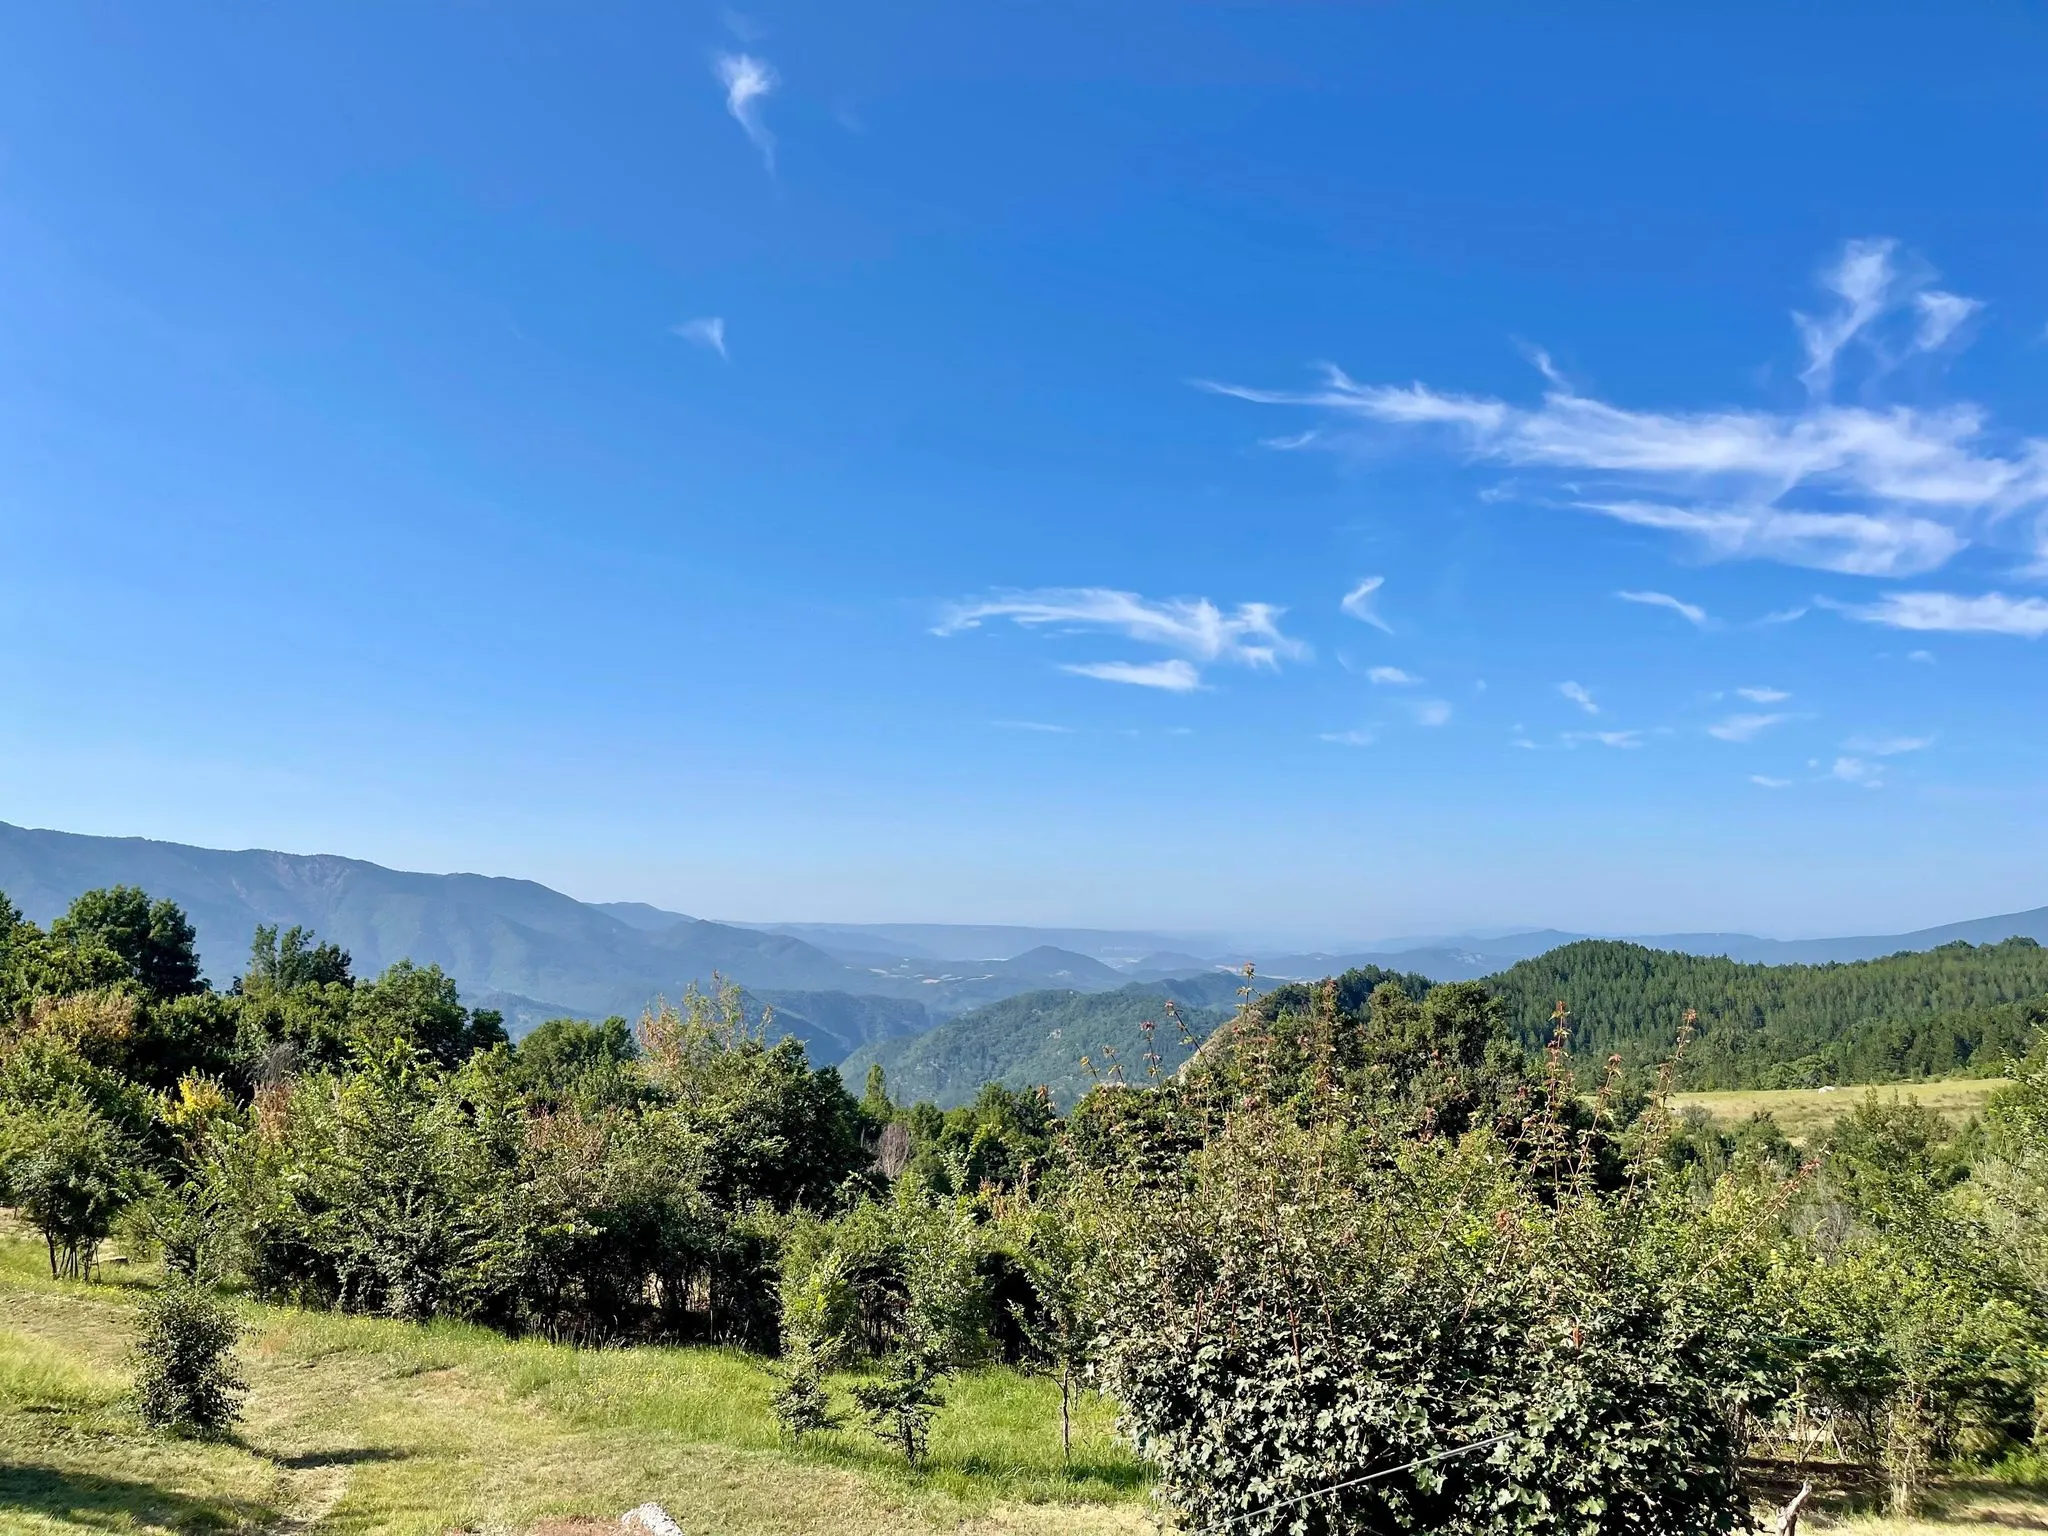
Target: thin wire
1370,1477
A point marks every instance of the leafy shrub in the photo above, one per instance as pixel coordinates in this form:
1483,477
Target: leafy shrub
900,1404
1340,1319
185,1376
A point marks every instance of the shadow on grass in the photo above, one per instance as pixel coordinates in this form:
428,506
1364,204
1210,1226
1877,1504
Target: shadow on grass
118,1504
358,1456
1083,1476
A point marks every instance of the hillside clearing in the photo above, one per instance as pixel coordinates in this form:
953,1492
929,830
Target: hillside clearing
1801,1112
359,1425
362,1425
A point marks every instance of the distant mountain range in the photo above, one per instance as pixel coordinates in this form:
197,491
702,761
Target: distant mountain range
535,953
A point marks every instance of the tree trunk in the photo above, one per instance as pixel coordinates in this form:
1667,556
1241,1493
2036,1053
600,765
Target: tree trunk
1788,1517
1066,1418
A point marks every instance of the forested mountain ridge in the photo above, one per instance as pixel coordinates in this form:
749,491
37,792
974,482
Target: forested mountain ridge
533,951
1039,1039
1959,1008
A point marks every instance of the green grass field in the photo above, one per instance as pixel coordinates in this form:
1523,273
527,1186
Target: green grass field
1800,1112
363,1427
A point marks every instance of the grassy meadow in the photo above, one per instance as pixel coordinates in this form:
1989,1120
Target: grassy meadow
1803,1112
359,1425
363,1425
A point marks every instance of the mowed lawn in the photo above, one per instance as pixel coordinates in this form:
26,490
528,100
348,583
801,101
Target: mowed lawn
362,1425
1800,1112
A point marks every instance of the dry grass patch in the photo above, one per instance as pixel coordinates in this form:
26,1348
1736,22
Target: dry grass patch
1804,1112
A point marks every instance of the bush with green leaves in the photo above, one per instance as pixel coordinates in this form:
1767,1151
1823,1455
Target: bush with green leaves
900,1403
817,1313
1342,1318
185,1374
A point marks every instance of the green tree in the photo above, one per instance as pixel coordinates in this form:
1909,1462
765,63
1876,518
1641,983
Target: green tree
572,1060
421,1007
875,1096
72,1172
154,941
1053,1242
297,959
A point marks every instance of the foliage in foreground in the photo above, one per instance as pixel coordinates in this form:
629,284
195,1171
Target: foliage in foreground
185,1374
1360,1262
1327,1322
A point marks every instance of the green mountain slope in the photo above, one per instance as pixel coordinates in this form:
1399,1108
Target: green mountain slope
1959,1008
1040,1038
511,944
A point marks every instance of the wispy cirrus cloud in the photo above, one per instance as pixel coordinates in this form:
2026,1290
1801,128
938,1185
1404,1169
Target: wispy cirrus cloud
1887,746
748,82
1768,782
1358,738
1855,770
1987,613
1248,635
1763,695
1861,280
1859,489
708,331
1744,727
1392,677
1692,613
1432,712
1579,696
1629,739
1941,314
1173,676
1358,602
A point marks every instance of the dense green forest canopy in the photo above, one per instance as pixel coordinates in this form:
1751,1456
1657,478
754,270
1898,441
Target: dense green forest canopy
1959,1009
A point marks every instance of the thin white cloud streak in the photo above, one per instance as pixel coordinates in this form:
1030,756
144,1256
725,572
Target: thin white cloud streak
1861,279
1764,695
1629,739
1579,696
1940,315
1248,636
1990,613
1348,738
1037,726
748,81
1861,490
1174,676
1692,613
708,331
1744,727
1392,677
1432,712
1358,602
1854,770
1887,746
1768,782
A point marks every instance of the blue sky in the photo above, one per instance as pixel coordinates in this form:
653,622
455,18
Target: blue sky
1322,471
